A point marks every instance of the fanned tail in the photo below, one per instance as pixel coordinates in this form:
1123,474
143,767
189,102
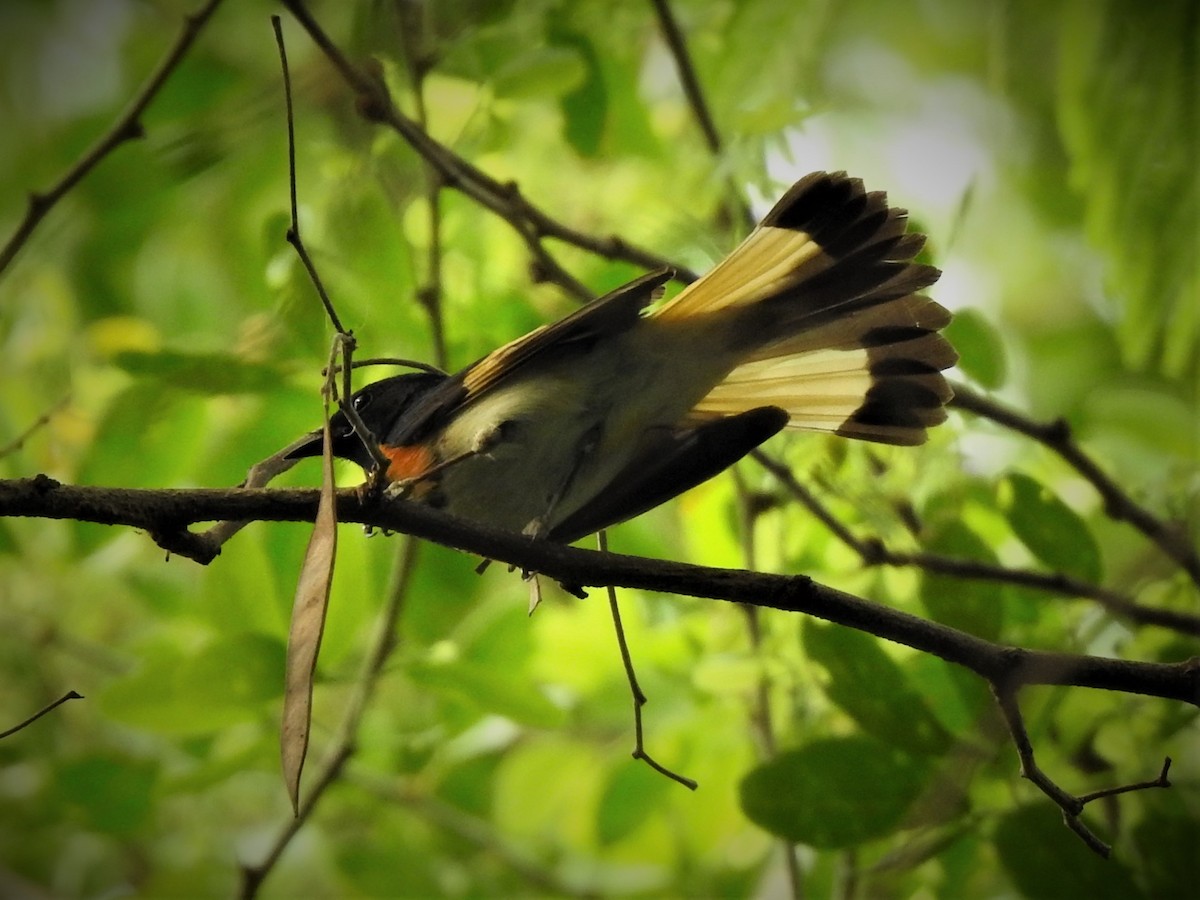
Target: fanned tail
826,317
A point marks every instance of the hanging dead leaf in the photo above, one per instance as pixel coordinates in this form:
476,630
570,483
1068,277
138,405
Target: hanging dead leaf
304,636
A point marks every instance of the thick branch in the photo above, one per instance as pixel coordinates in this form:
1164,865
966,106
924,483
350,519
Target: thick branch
168,513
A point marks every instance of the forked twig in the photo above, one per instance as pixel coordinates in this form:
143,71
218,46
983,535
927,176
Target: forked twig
346,338
639,697
531,223
1071,805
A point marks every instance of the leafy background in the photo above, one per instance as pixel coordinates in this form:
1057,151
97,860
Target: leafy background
1049,151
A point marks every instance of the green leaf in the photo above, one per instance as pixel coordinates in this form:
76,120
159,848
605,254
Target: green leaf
470,784
149,436
873,690
223,684
585,108
835,792
235,675
115,792
1168,841
205,373
955,695
1047,861
371,858
1052,531
1126,113
632,795
543,72
489,691
980,348
1155,422
970,605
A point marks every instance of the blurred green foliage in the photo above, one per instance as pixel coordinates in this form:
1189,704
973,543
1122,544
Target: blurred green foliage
1049,151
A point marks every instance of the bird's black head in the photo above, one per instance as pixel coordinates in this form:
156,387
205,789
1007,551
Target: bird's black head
382,406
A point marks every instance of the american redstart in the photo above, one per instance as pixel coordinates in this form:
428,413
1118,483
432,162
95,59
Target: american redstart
814,323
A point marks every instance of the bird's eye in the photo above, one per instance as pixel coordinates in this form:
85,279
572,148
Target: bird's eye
361,402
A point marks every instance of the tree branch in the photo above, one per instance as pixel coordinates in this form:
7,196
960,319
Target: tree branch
418,61
1117,503
737,207
127,128
687,76
166,514
530,222
39,423
873,552
1071,806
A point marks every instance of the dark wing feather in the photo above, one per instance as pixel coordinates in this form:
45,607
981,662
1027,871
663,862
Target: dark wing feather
670,463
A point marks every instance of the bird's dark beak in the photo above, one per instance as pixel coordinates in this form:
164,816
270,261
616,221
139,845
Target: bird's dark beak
309,445
346,445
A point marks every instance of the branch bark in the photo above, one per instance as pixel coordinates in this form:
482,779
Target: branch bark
167,514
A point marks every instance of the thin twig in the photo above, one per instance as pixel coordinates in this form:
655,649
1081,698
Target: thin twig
530,222
293,234
873,552
69,695
128,127
747,527
398,361
748,514
639,696
687,75
1117,503
39,423
1115,602
1071,806
698,103
1162,781
343,745
429,295
345,339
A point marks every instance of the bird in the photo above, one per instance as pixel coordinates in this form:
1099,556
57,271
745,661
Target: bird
815,322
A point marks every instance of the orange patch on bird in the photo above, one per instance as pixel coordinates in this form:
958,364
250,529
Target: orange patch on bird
407,461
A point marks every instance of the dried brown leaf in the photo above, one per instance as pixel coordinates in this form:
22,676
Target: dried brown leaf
304,636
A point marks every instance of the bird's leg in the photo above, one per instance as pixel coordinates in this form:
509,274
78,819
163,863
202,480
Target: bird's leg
538,527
